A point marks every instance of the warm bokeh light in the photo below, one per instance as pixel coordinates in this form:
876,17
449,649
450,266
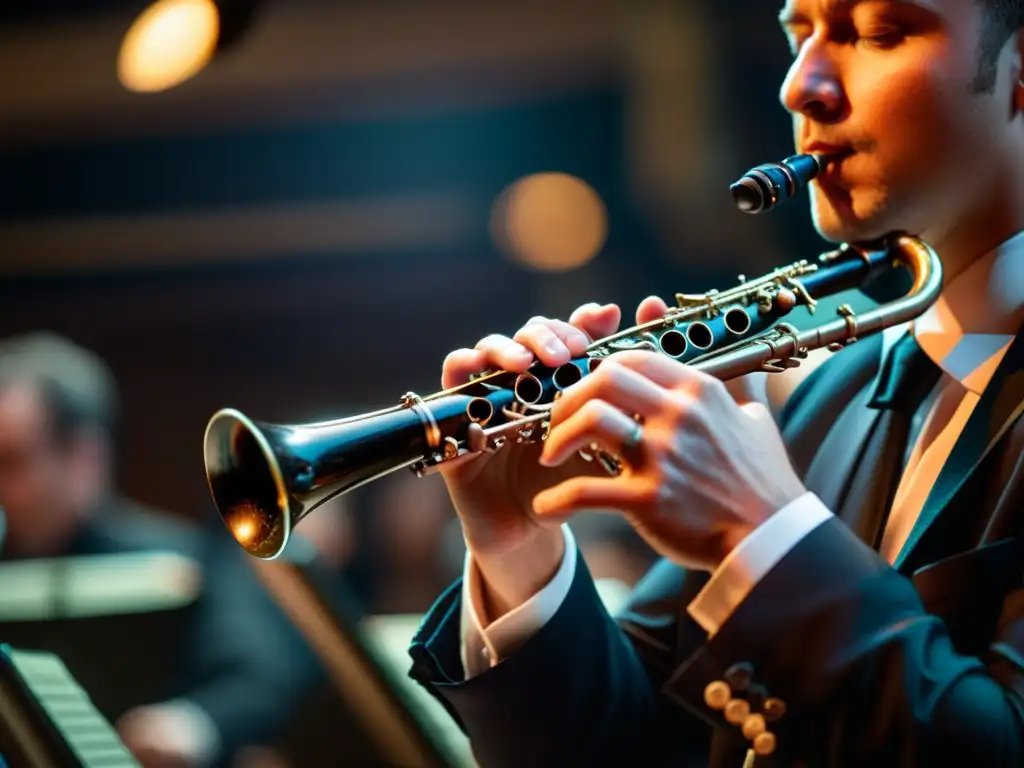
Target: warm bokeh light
170,42
550,221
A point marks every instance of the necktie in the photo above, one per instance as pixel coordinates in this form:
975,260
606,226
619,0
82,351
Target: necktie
905,379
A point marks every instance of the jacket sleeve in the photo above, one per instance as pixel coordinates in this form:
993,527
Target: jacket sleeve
584,690
859,672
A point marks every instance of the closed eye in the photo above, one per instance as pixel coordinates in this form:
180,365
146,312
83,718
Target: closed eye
884,38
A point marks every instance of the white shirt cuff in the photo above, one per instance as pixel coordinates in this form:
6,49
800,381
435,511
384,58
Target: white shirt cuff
755,556
484,648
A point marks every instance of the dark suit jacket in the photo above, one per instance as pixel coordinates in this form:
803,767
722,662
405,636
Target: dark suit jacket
876,665
239,658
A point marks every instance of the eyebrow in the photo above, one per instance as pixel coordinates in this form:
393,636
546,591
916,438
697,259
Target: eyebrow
789,18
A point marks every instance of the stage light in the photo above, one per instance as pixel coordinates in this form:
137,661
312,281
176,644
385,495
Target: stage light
552,222
172,41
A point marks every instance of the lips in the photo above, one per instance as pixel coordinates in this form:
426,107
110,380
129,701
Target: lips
834,155
820,148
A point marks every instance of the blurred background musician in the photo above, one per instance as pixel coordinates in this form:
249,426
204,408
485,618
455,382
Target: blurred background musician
242,667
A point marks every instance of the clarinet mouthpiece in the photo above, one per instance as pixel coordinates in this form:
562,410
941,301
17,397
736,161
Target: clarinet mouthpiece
767,186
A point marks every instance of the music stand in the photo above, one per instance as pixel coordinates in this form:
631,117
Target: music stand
397,716
47,720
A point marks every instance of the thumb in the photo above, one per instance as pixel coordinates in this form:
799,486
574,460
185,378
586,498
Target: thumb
756,410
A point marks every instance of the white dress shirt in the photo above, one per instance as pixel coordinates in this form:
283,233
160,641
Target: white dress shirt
966,333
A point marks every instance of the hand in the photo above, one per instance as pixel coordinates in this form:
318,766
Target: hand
168,736
493,494
516,551
703,471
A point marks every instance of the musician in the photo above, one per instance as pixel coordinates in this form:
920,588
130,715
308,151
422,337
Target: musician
243,665
842,584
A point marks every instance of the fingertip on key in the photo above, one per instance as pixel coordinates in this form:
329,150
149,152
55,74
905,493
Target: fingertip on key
578,343
556,353
519,358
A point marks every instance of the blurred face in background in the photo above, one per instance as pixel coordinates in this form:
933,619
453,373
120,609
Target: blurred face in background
45,483
928,133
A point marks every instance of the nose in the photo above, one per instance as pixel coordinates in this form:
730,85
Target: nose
813,87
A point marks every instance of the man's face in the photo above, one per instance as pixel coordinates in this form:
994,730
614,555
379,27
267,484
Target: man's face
35,475
891,85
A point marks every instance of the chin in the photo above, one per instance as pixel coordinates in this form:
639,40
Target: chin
837,220
838,232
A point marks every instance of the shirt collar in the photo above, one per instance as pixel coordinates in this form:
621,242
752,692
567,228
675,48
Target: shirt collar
968,329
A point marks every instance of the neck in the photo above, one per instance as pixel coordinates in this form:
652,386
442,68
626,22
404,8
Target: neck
995,217
60,532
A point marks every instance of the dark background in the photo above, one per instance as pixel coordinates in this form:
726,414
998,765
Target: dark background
658,106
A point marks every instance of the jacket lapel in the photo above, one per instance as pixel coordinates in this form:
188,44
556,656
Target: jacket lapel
840,456
825,397
1000,405
855,469
827,420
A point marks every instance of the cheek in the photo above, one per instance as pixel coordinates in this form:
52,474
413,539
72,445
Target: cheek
907,116
917,118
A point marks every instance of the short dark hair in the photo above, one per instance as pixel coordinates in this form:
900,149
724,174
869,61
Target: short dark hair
1002,19
77,386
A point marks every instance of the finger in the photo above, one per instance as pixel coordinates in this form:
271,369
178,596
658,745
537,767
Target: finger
596,320
650,308
579,494
575,339
622,387
460,365
757,411
662,370
597,422
541,339
505,353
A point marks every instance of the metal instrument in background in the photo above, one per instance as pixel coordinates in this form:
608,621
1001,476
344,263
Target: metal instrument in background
265,478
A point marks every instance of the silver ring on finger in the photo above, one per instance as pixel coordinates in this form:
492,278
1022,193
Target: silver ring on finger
633,439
